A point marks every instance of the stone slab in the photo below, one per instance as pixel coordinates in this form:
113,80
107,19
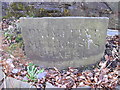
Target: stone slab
14,83
64,41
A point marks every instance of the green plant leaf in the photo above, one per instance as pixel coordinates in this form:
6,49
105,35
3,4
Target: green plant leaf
30,64
24,80
42,70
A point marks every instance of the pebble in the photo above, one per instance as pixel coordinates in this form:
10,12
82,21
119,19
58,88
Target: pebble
15,71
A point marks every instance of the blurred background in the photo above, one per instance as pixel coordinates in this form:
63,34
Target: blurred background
15,10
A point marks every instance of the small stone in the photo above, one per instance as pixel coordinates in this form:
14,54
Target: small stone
9,60
41,75
25,78
15,71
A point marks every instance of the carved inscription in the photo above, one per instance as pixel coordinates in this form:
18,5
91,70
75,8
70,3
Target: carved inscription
61,44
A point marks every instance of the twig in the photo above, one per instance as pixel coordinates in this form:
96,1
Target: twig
111,63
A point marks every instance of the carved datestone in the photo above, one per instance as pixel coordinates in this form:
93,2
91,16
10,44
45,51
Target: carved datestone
64,41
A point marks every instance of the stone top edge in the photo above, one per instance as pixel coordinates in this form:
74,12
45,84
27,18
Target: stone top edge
64,17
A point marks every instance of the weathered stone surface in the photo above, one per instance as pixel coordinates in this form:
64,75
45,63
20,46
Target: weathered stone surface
14,83
64,41
1,76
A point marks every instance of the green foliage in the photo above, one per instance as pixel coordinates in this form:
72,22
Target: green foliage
66,12
17,6
18,38
8,36
13,47
33,72
14,38
18,9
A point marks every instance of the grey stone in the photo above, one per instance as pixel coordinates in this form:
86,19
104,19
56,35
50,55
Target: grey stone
1,77
64,41
49,85
14,83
